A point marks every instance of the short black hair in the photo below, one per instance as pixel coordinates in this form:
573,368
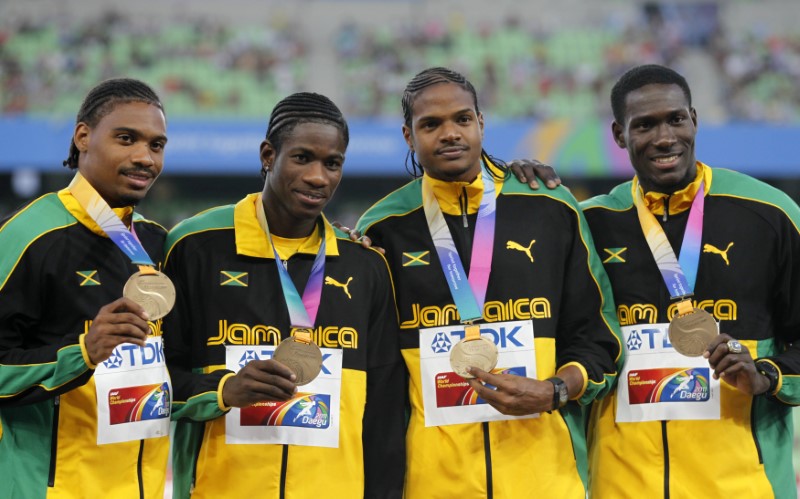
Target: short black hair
304,107
640,76
433,76
103,98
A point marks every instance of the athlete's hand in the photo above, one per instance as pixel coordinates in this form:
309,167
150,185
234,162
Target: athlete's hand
258,381
515,395
357,237
121,321
526,171
736,369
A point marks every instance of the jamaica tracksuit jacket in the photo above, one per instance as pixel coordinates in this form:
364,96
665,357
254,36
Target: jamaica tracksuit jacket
749,279
57,269
560,285
229,293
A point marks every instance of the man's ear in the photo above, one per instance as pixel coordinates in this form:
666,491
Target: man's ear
480,123
409,138
267,155
81,136
619,136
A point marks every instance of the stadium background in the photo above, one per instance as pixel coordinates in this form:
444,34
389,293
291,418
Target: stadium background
543,71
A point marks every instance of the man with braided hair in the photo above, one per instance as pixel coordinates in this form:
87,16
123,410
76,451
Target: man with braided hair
62,314
245,428
533,285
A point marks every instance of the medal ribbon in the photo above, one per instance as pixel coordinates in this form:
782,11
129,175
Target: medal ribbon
679,275
302,312
469,299
99,211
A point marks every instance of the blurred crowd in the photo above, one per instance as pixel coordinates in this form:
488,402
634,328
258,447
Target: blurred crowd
522,69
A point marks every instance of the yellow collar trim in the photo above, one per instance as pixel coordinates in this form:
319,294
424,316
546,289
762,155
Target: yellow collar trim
251,240
449,193
679,201
76,210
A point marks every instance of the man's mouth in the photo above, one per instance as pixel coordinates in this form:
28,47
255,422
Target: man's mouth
451,152
139,178
311,197
667,161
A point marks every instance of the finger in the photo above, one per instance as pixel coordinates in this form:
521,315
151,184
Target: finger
497,380
553,182
516,169
266,384
533,184
262,391
125,305
484,392
719,340
272,367
365,241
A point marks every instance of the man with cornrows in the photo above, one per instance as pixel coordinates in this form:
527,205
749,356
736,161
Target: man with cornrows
68,338
269,275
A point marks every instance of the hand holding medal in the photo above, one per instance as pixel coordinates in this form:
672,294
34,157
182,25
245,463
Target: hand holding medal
473,351
301,355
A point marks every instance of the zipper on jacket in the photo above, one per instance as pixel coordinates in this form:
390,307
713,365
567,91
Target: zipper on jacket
464,202
665,442
139,469
487,452
284,461
666,208
51,474
753,430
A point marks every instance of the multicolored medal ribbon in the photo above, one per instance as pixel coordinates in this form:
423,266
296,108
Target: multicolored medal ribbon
149,287
300,354
468,292
692,329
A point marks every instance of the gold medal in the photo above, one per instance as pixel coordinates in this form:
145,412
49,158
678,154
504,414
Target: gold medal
473,351
691,330
153,290
302,356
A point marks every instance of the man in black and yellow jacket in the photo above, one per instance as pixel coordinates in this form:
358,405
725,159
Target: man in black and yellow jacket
544,276
254,433
748,279
61,311
717,424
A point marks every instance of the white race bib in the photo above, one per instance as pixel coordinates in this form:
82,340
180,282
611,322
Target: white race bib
657,383
447,397
309,418
134,395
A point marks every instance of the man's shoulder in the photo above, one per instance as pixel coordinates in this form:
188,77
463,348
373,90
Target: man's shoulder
220,217
145,223
35,218
618,199
513,187
397,203
27,225
738,185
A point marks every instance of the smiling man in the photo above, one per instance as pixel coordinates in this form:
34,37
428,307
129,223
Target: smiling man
684,241
252,422
63,267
